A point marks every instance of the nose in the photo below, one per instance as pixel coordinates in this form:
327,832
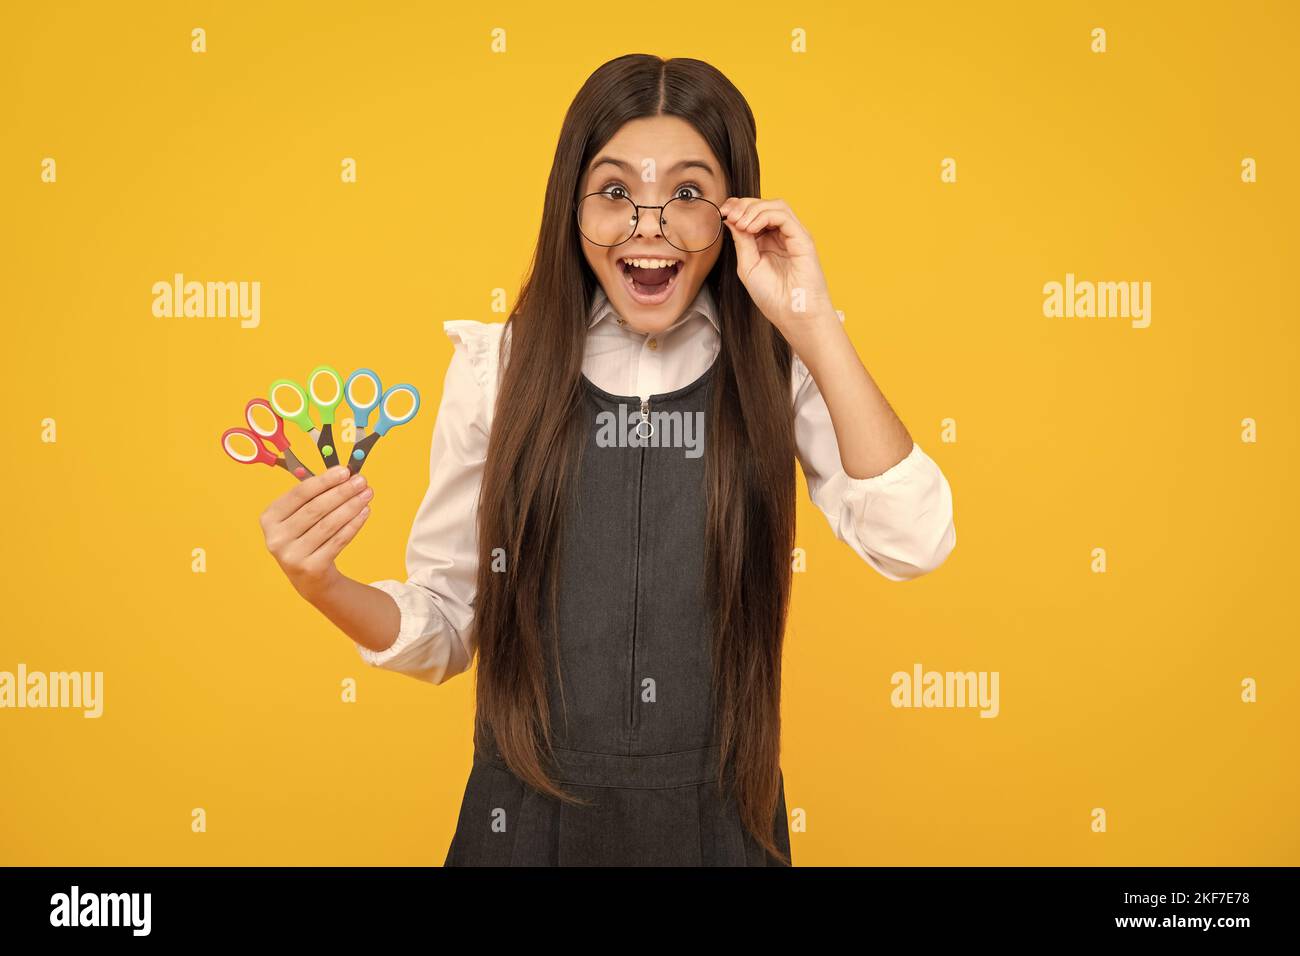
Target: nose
647,223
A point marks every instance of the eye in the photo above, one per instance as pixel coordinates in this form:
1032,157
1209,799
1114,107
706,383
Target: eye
684,192
614,190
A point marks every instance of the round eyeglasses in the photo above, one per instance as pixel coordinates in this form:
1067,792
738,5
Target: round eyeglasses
688,223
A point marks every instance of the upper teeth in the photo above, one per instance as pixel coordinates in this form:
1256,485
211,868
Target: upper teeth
651,263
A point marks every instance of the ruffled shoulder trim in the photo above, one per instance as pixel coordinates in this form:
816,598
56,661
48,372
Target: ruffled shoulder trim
481,343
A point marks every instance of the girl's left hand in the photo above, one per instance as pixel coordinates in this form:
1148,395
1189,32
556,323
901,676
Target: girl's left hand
776,261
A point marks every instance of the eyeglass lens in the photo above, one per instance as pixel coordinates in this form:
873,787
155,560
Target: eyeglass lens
688,223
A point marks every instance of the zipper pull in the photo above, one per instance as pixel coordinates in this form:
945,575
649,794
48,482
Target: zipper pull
645,421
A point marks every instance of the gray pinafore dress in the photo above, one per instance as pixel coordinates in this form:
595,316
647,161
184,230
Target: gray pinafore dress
634,732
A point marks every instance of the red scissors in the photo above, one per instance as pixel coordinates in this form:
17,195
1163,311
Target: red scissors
233,438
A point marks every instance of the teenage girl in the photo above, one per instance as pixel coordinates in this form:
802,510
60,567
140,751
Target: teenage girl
627,600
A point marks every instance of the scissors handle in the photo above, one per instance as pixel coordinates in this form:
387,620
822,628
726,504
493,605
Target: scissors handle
276,436
299,414
325,406
361,410
260,454
387,420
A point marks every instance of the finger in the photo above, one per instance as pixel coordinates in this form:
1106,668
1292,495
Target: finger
340,538
297,496
784,207
759,208
780,219
750,207
746,249
323,529
736,206
305,518
798,223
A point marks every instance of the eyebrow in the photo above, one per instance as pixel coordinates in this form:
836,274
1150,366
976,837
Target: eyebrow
629,168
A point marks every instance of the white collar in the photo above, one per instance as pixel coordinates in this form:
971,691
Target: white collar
704,304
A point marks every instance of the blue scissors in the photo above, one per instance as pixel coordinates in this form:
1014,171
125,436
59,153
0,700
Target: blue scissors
362,410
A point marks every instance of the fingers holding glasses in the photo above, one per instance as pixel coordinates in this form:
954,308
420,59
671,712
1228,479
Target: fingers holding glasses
770,223
752,214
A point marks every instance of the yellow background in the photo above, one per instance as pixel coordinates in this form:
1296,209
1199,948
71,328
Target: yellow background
1118,690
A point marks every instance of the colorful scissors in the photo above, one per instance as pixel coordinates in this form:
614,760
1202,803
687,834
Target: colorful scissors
256,433
300,414
361,450
361,410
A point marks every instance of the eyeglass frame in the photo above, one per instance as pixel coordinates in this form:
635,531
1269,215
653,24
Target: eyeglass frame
637,207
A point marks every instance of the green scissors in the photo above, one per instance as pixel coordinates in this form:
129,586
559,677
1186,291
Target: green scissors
297,410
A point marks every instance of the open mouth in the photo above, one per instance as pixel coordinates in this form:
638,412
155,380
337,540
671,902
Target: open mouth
650,280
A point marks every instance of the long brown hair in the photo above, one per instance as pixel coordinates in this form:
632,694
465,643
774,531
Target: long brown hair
533,453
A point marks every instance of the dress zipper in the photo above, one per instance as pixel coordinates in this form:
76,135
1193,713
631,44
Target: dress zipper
644,430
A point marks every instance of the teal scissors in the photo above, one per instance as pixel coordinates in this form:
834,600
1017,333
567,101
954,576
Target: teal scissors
362,409
297,407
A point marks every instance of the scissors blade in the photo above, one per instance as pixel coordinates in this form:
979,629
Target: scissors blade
302,474
354,461
294,464
325,444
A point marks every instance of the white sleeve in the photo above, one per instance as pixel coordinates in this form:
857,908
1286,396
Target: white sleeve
435,639
901,521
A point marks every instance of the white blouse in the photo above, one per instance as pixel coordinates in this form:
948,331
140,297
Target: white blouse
900,522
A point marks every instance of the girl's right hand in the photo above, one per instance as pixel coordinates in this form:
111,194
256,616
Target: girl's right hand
308,525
